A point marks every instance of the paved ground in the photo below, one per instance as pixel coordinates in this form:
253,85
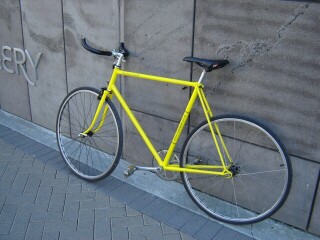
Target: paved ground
41,199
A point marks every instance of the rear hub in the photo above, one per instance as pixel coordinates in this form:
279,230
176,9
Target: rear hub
235,169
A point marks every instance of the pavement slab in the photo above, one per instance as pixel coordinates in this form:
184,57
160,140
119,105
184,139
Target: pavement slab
40,198
55,205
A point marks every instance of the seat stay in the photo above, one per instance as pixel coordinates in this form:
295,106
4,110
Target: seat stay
208,114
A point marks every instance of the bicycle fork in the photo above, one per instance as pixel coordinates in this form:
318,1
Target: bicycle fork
103,97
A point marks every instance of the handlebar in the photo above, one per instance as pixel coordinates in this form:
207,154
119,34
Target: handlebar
94,50
122,49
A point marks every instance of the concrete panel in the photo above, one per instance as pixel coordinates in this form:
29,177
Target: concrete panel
315,218
296,209
158,35
42,24
14,89
160,132
260,38
99,24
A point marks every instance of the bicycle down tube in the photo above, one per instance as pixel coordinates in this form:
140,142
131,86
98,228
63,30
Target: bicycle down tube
164,163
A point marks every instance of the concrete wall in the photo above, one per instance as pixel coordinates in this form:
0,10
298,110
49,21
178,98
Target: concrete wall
42,32
273,48
14,94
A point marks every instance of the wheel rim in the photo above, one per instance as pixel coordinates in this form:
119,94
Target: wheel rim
257,189
94,155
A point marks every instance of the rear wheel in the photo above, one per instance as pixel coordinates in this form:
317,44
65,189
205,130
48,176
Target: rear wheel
96,155
261,171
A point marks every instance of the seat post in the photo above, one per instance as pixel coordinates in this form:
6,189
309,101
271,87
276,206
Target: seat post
203,74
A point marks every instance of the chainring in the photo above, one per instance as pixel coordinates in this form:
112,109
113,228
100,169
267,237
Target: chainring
167,175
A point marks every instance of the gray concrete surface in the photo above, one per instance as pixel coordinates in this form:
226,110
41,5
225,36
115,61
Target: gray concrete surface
273,48
39,201
158,49
14,95
315,221
273,75
160,132
42,32
83,19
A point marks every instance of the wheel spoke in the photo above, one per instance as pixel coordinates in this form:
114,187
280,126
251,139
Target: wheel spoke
235,197
255,173
257,186
85,155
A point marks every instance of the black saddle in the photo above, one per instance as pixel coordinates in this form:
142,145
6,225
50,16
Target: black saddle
207,64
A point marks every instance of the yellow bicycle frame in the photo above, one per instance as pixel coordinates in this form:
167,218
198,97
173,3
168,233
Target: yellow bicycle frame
164,163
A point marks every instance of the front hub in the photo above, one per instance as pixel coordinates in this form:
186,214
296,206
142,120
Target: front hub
83,135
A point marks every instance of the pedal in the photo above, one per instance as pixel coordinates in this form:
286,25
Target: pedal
129,171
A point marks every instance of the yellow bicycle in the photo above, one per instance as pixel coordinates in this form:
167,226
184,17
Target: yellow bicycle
233,168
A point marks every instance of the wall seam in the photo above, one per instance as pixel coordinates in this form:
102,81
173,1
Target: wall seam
122,82
64,48
23,45
304,159
313,202
153,115
191,65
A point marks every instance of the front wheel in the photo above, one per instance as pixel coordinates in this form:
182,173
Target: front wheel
94,155
260,167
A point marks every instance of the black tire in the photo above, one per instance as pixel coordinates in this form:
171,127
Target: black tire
261,169
96,155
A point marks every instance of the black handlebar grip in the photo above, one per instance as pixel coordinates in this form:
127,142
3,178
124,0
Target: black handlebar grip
94,50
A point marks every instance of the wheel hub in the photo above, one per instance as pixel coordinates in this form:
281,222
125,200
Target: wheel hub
90,133
83,135
234,169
